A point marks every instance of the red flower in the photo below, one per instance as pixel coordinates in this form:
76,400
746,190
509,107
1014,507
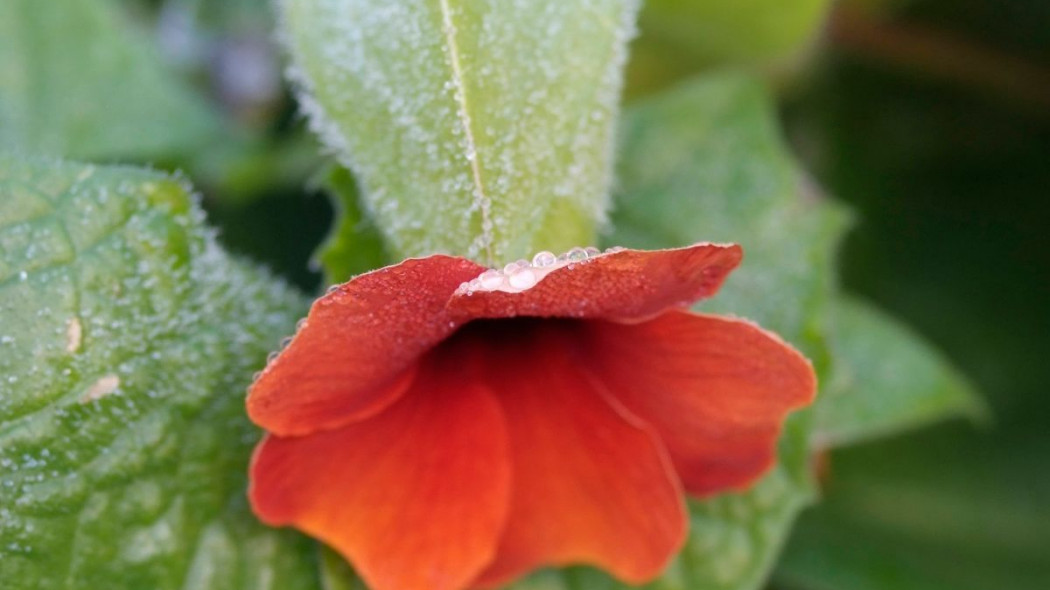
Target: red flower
444,428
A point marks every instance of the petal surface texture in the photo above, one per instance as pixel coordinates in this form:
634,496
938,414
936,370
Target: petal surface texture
591,483
415,497
628,285
357,349
716,390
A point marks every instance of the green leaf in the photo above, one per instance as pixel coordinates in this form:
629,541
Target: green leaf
681,37
76,80
705,162
126,341
354,245
336,573
885,378
480,128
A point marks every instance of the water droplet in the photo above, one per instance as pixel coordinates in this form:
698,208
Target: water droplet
523,279
490,279
544,258
515,266
575,255
592,251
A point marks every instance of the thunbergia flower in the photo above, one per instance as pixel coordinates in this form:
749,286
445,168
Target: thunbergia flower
446,426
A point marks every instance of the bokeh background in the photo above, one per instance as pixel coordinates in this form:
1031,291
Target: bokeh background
929,118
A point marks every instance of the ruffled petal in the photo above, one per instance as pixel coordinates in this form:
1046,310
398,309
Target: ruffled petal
355,352
591,484
628,285
414,497
715,389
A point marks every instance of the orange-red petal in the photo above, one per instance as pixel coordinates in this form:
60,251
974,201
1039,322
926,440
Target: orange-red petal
628,285
356,350
591,484
716,390
415,497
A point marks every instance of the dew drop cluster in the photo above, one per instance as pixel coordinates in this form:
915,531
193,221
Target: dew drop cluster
522,275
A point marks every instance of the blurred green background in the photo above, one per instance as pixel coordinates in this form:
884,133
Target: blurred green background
929,118
933,121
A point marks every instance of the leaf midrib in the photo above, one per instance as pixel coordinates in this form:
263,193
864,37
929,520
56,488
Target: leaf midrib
481,200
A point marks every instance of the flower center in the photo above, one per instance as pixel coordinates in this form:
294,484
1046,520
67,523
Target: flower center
522,275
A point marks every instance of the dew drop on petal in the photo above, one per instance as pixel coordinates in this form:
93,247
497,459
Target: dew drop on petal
523,279
592,251
543,259
490,279
515,266
575,255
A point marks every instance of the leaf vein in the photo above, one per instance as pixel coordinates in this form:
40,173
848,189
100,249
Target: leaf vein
481,200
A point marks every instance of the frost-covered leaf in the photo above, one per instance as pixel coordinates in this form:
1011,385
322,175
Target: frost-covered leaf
885,379
126,341
354,245
480,128
76,80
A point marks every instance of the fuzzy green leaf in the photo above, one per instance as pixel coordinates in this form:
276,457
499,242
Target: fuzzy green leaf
77,81
885,379
480,128
127,338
